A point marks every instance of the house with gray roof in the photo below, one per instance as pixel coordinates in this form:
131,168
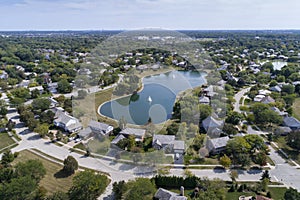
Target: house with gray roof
67,122
279,112
217,145
100,128
210,124
275,88
204,100
178,146
163,141
283,130
117,139
267,100
163,194
291,122
85,133
139,134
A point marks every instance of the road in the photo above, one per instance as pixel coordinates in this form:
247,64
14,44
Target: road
238,97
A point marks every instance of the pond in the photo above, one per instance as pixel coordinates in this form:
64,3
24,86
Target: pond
155,101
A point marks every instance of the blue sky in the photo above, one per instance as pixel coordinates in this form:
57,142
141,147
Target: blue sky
134,14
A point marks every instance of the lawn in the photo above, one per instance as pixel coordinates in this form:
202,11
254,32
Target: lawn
54,180
296,108
5,140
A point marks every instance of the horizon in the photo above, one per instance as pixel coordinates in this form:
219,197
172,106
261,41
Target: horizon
19,15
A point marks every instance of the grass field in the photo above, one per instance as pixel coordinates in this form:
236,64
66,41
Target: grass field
54,180
296,108
5,140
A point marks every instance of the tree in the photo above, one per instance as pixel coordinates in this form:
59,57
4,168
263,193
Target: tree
87,185
291,194
265,175
234,175
42,129
141,187
238,145
63,86
293,139
119,189
260,158
31,168
70,165
41,104
205,111
288,89
58,196
18,188
47,117
225,161
172,129
234,118
7,158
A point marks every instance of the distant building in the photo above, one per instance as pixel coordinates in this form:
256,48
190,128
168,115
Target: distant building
267,100
204,100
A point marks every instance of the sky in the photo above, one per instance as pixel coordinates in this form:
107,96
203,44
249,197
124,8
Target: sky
136,14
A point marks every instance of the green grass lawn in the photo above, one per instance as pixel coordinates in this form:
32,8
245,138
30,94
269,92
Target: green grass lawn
5,140
277,193
54,180
296,108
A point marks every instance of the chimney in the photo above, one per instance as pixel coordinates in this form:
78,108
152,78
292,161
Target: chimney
181,191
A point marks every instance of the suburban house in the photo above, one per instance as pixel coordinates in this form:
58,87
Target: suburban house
39,88
212,125
291,122
259,97
178,147
217,145
100,128
139,134
267,100
168,143
283,130
53,102
117,139
163,142
204,100
163,194
65,121
52,87
3,75
281,113
275,88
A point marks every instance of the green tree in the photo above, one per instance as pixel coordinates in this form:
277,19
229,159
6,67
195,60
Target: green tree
87,185
293,140
41,104
141,187
291,194
265,175
31,168
42,129
70,165
234,118
58,196
225,161
7,158
63,86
